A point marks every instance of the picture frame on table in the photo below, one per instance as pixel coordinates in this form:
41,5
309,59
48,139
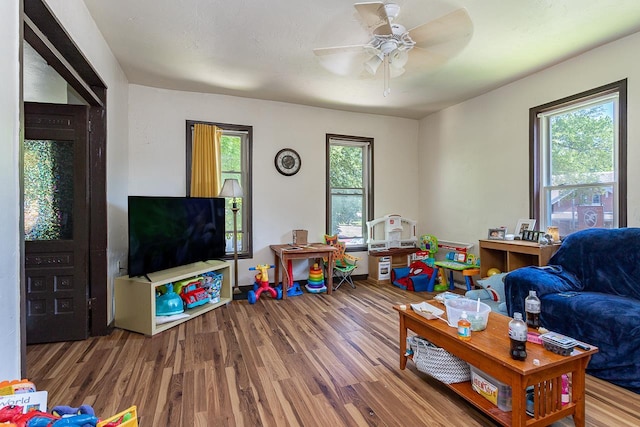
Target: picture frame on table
524,225
532,236
497,233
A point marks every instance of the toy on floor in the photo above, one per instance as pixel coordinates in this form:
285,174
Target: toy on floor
294,287
492,271
315,283
128,418
415,278
65,411
429,246
13,414
460,261
262,284
16,387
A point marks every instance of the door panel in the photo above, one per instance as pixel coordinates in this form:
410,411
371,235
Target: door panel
55,221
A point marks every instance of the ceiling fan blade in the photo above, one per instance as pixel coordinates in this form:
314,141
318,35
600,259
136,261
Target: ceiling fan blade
322,51
423,60
455,28
374,16
343,60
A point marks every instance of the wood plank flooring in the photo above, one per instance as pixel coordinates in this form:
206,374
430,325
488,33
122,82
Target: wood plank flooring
312,360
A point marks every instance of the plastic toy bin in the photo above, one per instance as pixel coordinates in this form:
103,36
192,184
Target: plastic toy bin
491,389
130,422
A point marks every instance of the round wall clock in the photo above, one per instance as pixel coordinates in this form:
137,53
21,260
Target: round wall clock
288,162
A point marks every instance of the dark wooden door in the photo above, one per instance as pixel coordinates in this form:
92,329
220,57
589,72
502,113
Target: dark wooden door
56,222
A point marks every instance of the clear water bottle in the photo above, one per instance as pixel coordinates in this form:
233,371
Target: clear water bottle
518,337
532,309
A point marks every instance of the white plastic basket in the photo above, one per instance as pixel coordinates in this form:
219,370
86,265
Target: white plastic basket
439,363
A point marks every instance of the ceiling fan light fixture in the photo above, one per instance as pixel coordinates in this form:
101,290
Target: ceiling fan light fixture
372,65
396,72
399,58
392,10
388,46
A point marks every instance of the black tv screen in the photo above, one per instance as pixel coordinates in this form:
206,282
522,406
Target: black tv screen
166,232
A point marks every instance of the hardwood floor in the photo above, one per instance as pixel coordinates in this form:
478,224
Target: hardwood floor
312,360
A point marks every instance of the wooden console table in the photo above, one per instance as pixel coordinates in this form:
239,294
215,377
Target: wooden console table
284,254
135,297
488,351
508,255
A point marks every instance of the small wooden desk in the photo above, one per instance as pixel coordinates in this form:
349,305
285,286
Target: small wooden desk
285,253
488,351
509,255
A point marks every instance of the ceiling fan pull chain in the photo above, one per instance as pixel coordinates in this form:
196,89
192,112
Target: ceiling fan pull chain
387,89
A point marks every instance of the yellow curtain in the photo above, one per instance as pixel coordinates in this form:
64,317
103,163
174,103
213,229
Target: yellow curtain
205,161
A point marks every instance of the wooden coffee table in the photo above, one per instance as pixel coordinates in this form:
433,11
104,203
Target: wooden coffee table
488,351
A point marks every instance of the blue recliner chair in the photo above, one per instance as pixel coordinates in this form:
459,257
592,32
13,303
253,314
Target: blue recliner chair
591,291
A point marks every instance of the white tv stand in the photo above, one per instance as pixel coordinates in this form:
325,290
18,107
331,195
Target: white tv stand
135,297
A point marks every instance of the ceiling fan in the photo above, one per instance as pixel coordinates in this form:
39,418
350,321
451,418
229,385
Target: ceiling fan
392,46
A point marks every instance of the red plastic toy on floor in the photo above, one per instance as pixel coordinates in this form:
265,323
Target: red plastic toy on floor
262,284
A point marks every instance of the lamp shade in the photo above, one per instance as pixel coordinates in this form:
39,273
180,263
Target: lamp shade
372,64
231,188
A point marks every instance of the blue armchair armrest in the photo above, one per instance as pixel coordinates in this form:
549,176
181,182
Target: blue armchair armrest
543,280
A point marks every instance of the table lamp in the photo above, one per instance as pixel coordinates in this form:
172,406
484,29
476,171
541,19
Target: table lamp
555,234
231,189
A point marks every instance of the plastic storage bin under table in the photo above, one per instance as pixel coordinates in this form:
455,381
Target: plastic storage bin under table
493,390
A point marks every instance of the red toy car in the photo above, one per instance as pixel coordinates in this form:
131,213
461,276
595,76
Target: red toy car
194,295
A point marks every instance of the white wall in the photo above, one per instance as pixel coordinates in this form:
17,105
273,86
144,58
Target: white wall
9,190
157,159
82,29
478,151
40,82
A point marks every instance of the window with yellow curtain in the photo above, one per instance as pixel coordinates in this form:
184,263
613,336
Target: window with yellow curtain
228,157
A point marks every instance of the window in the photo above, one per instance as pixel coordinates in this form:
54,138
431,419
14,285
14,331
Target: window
235,150
349,188
578,160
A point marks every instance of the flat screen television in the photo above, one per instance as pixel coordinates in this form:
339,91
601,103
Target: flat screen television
166,232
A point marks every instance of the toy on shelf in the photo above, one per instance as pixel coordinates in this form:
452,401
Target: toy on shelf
395,233
262,284
315,283
212,283
193,294
168,303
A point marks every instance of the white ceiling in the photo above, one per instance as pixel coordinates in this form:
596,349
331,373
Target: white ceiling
264,49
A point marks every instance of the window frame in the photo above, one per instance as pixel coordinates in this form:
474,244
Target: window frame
368,143
536,165
245,227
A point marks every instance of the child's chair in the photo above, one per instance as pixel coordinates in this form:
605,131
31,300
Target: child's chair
344,264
